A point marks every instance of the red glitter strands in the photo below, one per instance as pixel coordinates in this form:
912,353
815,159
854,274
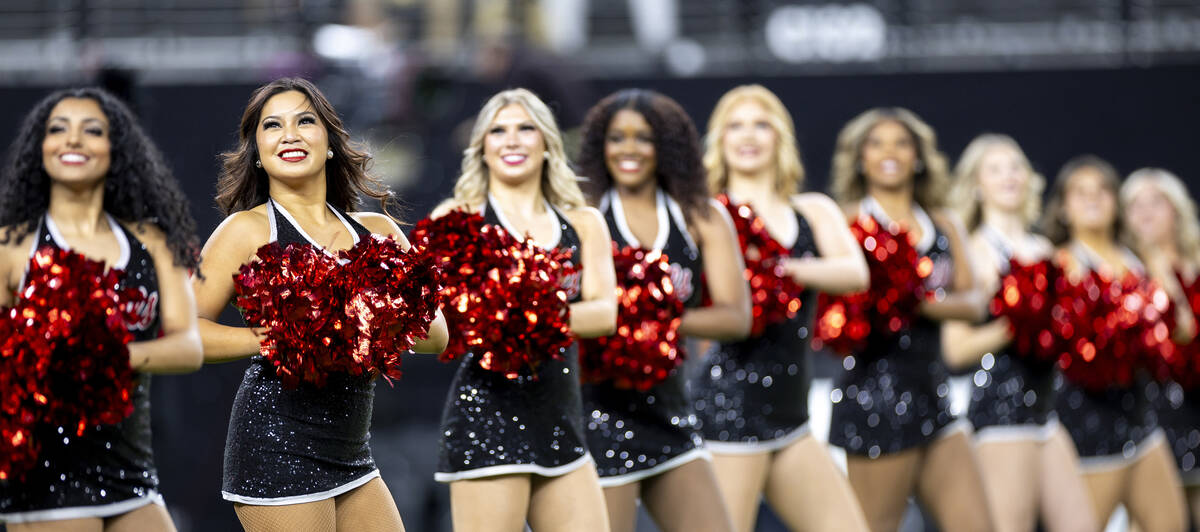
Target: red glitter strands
322,317
504,297
774,296
1027,299
64,358
645,349
897,288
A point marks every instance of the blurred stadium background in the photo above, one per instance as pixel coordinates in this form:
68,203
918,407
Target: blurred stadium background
1118,78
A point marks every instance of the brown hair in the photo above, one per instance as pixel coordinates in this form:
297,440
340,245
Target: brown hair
1054,218
849,184
241,186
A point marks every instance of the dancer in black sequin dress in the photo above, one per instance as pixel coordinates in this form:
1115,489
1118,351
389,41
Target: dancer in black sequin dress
106,193
642,156
751,395
1161,217
1121,447
1020,444
891,406
296,458
514,450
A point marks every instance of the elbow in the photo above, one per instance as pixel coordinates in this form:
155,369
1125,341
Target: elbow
980,307
740,324
191,356
608,323
859,278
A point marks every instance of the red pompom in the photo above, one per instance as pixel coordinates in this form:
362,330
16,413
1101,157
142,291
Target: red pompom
323,317
1112,327
1026,298
65,357
775,296
645,349
505,299
1181,362
897,288
390,297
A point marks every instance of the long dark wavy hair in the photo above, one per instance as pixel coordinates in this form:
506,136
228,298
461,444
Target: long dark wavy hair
680,168
139,188
242,186
1054,218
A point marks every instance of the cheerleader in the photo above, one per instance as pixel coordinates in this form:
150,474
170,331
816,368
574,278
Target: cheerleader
751,396
1161,218
515,450
891,406
1123,453
294,458
1029,463
82,176
642,156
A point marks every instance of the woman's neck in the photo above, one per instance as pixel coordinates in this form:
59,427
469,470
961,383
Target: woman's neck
524,197
304,200
78,210
753,188
897,202
1009,224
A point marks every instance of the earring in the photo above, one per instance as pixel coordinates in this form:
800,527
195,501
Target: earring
329,154
546,154
258,163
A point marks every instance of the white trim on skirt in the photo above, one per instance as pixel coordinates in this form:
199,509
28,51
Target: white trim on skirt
1109,462
755,447
1010,433
300,499
82,512
698,453
512,469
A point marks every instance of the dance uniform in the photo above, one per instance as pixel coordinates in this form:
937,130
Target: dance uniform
493,425
1178,412
109,470
751,395
1114,426
305,444
895,394
1012,396
634,434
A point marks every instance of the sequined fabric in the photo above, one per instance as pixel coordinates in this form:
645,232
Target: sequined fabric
494,425
755,391
1179,415
895,395
630,431
295,443
1107,423
109,464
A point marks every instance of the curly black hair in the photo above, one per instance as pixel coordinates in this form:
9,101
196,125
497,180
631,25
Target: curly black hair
242,186
139,188
680,168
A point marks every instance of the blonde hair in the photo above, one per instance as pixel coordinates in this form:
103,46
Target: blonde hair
789,171
1187,228
965,196
560,185
848,183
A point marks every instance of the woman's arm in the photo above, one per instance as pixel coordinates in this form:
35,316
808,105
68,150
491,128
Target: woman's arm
728,318
964,343
231,245
437,336
178,350
841,267
965,300
596,314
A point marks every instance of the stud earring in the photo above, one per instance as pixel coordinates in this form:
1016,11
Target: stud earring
329,154
258,163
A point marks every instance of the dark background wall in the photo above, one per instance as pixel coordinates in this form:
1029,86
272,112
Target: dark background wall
1132,117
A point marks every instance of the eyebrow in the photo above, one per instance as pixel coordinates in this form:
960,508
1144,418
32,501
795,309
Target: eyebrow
85,120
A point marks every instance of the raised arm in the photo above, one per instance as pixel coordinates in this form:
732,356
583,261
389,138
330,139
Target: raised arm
841,267
728,318
178,350
965,300
596,313
231,245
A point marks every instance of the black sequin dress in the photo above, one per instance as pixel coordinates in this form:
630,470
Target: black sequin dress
493,425
1111,427
634,434
895,395
110,469
752,395
1179,416
1011,396
301,445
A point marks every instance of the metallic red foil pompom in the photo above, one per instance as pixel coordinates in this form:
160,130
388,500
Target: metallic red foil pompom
775,296
505,300
64,357
1183,366
645,349
897,272
1026,298
357,317
1112,327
